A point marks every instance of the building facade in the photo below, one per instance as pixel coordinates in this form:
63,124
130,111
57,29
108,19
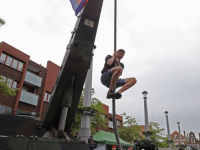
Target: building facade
35,84
193,141
189,139
176,140
109,118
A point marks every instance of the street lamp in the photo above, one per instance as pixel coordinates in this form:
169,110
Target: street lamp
147,133
85,130
168,131
179,132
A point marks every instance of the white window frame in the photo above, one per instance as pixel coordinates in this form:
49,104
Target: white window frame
175,136
103,116
47,96
20,65
119,123
192,140
10,84
1,60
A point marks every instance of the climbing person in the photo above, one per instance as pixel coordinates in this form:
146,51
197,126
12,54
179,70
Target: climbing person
111,73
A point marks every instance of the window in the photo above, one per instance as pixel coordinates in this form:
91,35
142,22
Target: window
196,145
24,88
119,123
5,110
11,83
20,66
4,78
47,97
9,61
192,140
2,58
103,116
175,136
2,109
8,110
14,64
14,84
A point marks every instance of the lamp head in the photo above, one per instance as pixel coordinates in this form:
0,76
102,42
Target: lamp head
166,113
144,94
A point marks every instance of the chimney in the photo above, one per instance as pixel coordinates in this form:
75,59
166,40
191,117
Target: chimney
184,133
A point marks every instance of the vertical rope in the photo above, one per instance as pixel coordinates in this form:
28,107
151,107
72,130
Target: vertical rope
115,26
113,100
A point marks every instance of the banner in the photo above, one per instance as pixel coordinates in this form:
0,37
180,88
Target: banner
78,5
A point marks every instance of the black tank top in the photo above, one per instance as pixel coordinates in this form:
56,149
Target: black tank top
107,67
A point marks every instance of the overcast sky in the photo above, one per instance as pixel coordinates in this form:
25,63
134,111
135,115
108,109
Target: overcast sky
162,43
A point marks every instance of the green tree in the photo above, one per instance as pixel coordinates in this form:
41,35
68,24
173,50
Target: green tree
131,131
158,137
2,22
5,89
95,120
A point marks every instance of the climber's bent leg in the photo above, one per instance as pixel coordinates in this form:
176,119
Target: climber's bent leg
129,82
110,79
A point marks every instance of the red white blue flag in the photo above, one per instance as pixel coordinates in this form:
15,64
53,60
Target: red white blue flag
78,5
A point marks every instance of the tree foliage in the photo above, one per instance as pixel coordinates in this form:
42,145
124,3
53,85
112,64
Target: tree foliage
158,137
2,22
95,120
5,89
131,131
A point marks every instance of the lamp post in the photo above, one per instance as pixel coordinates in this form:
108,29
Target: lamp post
147,133
85,131
168,131
179,132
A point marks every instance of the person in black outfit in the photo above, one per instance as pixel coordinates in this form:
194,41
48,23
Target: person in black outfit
111,73
91,143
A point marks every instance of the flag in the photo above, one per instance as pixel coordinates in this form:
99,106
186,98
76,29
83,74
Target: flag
78,5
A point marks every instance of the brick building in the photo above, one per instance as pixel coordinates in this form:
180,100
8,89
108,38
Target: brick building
193,141
109,117
188,139
35,83
175,138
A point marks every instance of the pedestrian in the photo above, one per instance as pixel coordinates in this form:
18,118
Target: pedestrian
114,147
91,143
